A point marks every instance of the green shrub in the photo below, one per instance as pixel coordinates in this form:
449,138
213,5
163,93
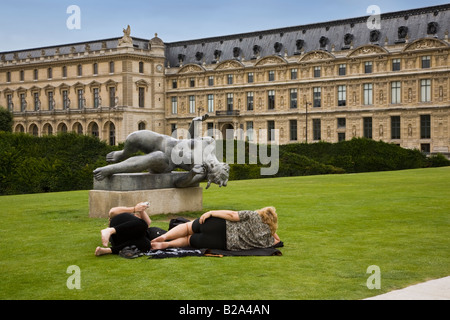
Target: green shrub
62,162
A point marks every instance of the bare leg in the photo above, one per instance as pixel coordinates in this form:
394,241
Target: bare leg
180,231
177,243
106,233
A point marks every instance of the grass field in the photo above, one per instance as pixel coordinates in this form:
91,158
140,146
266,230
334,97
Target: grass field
333,226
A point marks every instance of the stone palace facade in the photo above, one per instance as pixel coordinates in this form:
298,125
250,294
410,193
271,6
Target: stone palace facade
328,81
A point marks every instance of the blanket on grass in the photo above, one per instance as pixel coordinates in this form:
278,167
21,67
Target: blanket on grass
193,252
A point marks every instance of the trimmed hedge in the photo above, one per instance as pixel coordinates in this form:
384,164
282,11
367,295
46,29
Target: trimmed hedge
65,162
60,162
351,156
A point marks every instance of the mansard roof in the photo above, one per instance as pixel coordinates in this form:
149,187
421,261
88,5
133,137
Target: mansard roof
348,34
396,27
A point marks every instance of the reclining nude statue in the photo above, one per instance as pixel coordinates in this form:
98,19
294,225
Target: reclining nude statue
164,153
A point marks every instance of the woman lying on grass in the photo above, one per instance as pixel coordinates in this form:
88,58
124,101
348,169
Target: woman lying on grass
225,230
127,227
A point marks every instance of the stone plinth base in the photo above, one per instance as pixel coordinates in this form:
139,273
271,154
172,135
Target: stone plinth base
128,189
162,201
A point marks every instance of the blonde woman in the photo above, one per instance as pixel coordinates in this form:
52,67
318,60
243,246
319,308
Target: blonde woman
225,230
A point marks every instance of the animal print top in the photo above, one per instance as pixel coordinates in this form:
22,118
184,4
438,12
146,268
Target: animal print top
248,233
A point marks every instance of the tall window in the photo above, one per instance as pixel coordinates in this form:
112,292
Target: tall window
250,77
425,126
79,70
316,72
250,130
210,81
368,94
35,72
368,67
49,73
111,67
210,103
230,79
426,62
317,97
250,101
317,129
22,75
191,104
270,130
141,67
271,75
64,72
141,97
65,96
174,84
293,100
294,74
95,68
396,92
293,130
80,99
425,90
9,101
8,76
367,127
112,97
342,96
112,134
37,103
396,64
229,102
23,102
96,98
342,69
50,100
174,105
192,82
271,99
395,127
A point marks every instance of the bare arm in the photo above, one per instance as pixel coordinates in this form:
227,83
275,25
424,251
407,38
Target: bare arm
138,210
224,214
277,238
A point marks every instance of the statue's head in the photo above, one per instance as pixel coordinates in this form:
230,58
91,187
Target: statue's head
217,172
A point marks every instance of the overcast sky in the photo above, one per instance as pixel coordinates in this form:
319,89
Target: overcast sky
38,23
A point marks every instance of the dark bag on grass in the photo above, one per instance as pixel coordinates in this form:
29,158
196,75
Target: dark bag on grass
174,222
155,232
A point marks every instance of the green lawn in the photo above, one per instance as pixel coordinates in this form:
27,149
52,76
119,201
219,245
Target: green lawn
333,226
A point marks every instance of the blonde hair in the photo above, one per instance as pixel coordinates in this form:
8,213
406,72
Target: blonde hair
269,216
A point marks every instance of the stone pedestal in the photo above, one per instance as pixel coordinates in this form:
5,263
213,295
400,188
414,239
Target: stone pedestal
131,188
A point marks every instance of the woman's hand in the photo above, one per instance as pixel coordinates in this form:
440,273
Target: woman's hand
140,207
205,216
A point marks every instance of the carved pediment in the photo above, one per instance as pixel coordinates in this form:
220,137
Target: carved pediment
316,56
229,64
191,68
367,50
271,60
425,43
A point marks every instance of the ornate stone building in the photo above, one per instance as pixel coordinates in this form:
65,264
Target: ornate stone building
328,81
